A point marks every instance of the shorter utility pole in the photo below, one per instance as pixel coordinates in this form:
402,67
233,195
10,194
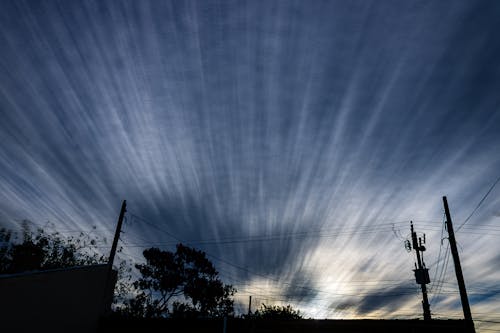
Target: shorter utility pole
421,272
458,268
109,279
117,234
249,305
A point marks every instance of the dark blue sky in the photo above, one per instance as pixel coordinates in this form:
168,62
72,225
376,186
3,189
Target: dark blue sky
282,137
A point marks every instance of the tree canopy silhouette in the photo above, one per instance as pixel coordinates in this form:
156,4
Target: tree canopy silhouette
40,250
277,312
183,283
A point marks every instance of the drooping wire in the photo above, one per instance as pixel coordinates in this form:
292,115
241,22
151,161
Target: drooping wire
443,273
439,254
382,294
479,204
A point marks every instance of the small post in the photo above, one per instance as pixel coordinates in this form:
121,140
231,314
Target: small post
458,268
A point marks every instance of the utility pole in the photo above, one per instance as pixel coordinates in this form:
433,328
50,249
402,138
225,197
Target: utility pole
458,268
421,272
117,234
109,284
249,305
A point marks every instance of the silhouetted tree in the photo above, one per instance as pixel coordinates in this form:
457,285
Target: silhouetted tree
277,312
183,283
39,250
32,250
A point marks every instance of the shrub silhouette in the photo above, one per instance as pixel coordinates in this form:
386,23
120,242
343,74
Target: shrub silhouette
277,312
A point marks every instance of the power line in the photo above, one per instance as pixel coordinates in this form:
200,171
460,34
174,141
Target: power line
273,237
480,203
155,226
274,279
442,275
439,256
296,297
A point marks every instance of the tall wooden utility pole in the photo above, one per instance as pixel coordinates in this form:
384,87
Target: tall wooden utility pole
109,276
117,234
458,268
421,272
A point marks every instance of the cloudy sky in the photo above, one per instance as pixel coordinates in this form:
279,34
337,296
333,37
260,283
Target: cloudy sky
292,141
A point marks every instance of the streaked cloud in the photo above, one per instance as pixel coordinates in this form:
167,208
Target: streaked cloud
293,142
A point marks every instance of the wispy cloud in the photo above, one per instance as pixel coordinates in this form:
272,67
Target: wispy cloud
292,141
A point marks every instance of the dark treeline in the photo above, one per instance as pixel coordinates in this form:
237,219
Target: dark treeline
181,284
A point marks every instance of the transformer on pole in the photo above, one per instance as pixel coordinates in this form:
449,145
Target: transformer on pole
421,272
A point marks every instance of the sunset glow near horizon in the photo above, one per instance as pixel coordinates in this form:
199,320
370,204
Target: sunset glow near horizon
293,142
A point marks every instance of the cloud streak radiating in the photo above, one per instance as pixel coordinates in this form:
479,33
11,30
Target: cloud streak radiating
293,142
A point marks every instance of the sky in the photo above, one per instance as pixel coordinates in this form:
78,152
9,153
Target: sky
292,141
